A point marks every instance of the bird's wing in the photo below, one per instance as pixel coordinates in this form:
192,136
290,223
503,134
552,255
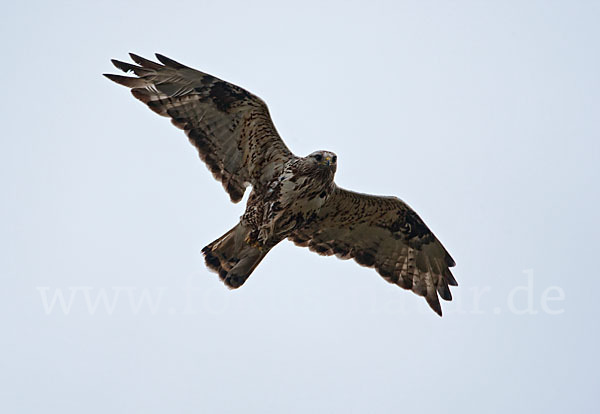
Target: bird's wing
386,234
230,127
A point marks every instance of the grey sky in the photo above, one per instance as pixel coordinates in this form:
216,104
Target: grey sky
483,116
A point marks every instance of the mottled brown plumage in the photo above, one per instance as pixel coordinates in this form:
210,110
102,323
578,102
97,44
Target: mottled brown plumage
292,197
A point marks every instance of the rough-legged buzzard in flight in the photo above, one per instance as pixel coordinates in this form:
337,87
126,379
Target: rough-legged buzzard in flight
292,197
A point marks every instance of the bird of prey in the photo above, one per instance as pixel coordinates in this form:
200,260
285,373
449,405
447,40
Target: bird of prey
292,197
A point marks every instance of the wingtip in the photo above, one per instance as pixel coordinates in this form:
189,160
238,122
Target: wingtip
437,309
434,302
125,67
125,80
168,61
143,62
449,260
449,278
109,76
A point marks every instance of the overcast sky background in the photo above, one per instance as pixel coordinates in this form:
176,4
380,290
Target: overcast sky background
483,116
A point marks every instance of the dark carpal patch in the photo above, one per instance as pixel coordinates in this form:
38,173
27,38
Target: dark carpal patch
224,95
410,226
414,226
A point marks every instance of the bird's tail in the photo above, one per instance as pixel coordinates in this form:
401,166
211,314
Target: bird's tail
233,257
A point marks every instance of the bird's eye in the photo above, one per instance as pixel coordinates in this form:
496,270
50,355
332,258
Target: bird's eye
334,159
318,157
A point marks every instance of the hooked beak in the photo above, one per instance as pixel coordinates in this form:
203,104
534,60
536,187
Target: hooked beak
328,160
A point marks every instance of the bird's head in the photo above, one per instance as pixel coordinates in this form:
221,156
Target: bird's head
324,159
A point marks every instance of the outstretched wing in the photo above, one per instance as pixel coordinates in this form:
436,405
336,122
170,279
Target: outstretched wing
230,127
386,234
